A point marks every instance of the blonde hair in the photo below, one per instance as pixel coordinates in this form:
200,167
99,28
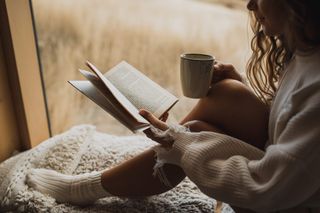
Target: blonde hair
271,53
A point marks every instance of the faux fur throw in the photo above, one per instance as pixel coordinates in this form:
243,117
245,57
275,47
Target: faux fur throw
83,149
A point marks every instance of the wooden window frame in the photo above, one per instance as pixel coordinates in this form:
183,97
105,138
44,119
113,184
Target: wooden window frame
22,64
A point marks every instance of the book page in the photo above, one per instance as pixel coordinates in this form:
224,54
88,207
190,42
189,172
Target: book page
95,95
119,97
141,91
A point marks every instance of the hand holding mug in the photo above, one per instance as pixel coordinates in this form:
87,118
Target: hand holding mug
223,71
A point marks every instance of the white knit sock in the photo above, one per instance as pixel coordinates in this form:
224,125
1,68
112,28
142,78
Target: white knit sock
74,189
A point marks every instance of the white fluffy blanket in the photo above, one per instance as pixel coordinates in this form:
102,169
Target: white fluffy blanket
83,149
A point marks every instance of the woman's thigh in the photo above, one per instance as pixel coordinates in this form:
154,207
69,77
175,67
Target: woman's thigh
234,109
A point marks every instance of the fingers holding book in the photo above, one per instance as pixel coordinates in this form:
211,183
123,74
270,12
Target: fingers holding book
164,117
159,124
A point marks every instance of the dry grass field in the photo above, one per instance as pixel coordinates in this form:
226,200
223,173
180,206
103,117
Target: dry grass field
149,34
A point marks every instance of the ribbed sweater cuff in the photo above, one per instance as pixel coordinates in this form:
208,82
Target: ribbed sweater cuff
182,138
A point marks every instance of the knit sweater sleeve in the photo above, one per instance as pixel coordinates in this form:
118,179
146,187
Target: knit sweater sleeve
230,170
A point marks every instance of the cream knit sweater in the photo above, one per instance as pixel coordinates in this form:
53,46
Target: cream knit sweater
286,175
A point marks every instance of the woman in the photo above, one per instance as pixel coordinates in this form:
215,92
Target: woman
258,152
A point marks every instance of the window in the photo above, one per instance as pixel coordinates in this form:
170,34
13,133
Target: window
148,34
22,98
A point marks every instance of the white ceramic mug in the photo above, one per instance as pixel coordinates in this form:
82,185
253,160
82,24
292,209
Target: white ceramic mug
195,74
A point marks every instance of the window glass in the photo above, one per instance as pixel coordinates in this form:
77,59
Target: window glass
149,34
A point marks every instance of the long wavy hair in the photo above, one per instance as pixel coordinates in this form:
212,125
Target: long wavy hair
272,53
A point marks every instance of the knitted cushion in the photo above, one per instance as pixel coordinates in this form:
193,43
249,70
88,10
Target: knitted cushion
83,149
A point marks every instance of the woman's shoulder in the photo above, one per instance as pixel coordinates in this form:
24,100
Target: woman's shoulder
307,98
308,71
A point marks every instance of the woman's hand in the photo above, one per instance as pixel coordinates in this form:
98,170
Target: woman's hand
158,123
224,71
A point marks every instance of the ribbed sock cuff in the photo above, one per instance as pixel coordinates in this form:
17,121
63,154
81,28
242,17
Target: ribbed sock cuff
96,185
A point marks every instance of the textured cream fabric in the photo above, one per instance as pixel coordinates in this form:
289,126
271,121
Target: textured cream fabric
80,150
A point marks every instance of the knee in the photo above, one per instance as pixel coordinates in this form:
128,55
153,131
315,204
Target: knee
228,88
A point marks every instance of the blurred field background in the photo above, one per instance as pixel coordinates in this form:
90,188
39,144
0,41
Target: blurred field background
149,34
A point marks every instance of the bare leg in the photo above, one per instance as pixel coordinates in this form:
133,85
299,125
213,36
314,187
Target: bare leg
135,177
233,108
230,107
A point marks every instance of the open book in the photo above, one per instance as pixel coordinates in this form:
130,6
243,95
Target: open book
123,91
